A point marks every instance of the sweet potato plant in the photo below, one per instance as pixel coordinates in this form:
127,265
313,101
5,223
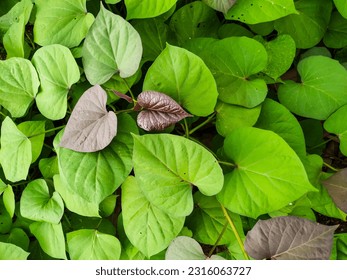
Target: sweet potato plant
176,129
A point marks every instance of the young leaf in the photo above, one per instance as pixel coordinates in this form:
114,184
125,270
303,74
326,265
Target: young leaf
186,79
58,71
263,180
50,237
336,123
220,5
15,153
147,8
19,85
139,213
160,111
257,11
38,204
337,188
91,127
10,251
322,89
290,238
111,46
90,244
61,22
179,163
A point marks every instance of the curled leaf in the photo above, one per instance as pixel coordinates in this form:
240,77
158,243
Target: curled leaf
91,127
336,186
290,238
160,111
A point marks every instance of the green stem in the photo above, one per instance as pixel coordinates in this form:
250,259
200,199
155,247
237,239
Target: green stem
330,167
227,163
47,131
320,144
210,118
186,128
125,111
3,114
218,239
238,238
131,93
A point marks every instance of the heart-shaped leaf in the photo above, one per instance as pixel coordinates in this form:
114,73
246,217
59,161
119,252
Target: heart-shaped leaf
336,123
139,213
90,244
111,46
147,8
160,111
186,248
337,188
38,205
10,251
91,127
323,88
290,238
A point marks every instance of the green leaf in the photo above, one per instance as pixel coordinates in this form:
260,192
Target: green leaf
112,46
184,77
233,29
308,26
38,204
58,71
50,237
13,41
336,35
94,176
281,52
336,123
323,88
5,219
147,8
9,200
61,22
154,34
49,167
19,85
262,180
232,61
15,153
179,164
230,117
148,228
341,245
194,20
275,117
89,244
10,251
73,201
18,237
221,6
35,131
107,206
208,221
341,6
257,11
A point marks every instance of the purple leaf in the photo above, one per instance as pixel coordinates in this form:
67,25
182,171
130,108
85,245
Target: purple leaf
290,238
160,111
90,127
336,186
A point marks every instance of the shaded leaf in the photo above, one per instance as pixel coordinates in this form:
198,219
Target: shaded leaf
91,127
90,244
337,188
290,238
160,111
220,5
186,248
336,35
111,46
341,6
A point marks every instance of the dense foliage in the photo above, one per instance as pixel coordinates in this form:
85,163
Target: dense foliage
176,129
